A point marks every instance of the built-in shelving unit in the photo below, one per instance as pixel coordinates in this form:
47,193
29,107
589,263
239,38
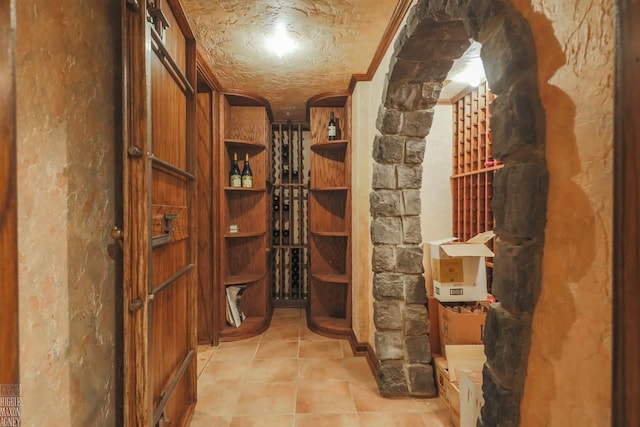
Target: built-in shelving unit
245,129
330,218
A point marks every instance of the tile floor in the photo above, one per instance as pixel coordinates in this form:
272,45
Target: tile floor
290,376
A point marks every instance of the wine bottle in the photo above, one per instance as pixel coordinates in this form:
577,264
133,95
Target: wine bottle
332,131
234,175
247,174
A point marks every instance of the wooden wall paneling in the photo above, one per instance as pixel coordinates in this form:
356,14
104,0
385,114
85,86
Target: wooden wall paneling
204,178
626,255
9,356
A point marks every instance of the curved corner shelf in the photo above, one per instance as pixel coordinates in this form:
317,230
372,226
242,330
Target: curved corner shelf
245,234
332,327
248,145
250,327
251,189
330,233
243,279
340,144
331,278
325,189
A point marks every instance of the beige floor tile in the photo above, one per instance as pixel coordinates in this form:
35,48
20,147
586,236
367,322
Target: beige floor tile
218,398
201,419
435,404
287,312
277,350
408,419
284,321
327,420
321,370
224,370
437,419
282,333
307,335
205,353
237,350
262,421
368,400
324,398
346,348
273,370
359,372
267,399
321,349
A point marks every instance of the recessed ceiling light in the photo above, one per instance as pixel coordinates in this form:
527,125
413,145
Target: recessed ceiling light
280,43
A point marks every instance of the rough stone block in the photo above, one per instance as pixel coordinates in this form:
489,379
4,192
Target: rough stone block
387,315
384,176
386,230
412,202
403,95
389,121
418,349
411,232
476,14
416,320
517,120
383,258
507,51
516,276
430,95
401,70
388,149
520,200
409,176
414,289
501,406
506,343
434,71
385,203
409,259
417,123
421,381
389,345
414,150
388,285
392,380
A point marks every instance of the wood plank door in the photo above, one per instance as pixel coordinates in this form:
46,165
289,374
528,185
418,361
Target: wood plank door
159,295
8,196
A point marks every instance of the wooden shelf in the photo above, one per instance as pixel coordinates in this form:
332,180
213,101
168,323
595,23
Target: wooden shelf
326,189
331,278
250,189
250,327
245,234
330,233
246,145
330,145
330,221
243,279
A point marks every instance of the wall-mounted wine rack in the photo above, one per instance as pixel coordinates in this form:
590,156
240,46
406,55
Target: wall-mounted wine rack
290,213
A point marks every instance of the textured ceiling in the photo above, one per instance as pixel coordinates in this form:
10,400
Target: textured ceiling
336,39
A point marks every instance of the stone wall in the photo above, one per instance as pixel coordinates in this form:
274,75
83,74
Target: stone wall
436,33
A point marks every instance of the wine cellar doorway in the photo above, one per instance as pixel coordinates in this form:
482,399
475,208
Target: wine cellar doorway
290,215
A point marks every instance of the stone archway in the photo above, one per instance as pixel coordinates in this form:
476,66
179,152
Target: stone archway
436,33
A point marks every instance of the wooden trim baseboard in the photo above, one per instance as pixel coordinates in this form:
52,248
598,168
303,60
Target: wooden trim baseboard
364,350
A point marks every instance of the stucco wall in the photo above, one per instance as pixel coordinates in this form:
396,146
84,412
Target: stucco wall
66,54
366,100
569,381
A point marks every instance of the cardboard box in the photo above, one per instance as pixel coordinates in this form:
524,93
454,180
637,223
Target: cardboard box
434,325
442,377
464,357
454,404
471,399
459,328
458,269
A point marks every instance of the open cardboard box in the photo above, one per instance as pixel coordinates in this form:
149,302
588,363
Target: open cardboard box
458,269
461,327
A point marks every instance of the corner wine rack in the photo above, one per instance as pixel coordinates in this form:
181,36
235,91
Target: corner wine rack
244,128
330,218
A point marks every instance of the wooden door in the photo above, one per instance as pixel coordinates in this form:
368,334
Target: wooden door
626,220
8,216
159,219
